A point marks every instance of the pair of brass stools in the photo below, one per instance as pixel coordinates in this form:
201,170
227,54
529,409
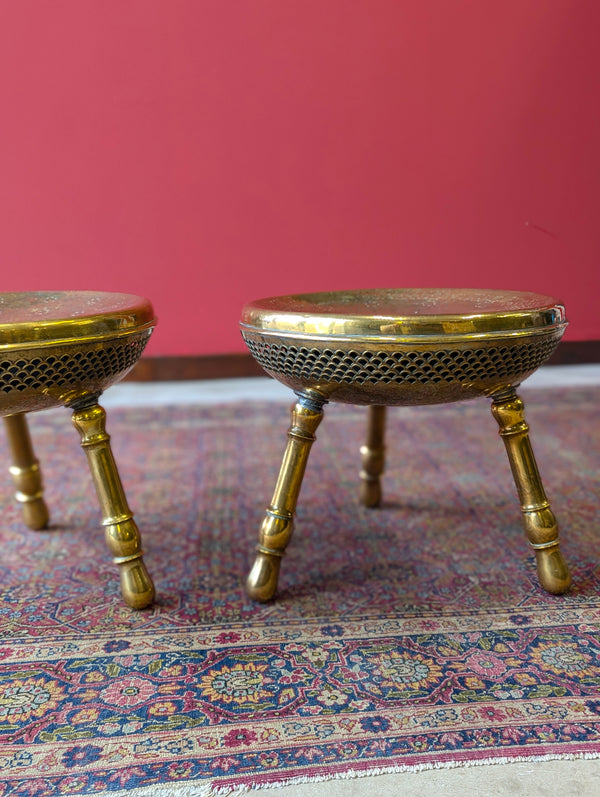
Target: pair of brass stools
377,348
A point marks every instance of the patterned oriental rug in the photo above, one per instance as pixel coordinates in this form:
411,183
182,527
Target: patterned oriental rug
407,637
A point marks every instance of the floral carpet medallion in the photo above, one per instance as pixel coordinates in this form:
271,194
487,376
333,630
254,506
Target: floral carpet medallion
413,635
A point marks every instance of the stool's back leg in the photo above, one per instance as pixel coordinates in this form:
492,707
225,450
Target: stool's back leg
26,473
372,456
539,521
121,531
278,524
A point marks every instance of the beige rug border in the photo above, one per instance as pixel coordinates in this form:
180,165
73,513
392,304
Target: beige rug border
213,789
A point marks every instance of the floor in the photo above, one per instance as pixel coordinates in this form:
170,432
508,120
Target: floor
213,391
576,778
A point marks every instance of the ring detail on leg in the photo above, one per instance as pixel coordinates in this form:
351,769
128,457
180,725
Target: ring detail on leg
372,455
26,473
539,521
121,532
278,524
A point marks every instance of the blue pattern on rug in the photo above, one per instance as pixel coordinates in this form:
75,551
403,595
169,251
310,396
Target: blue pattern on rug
413,635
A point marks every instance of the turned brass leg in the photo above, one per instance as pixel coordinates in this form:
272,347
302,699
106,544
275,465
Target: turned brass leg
121,531
26,473
539,521
372,456
277,527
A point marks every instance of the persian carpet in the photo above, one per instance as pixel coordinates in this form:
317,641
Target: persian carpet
406,637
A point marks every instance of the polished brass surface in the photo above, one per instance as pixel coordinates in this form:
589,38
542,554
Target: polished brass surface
372,455
278,524
404,347
37,319
404,313
538,519
26,473
121,531
64,348
424,353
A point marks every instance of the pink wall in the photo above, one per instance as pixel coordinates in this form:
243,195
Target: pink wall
208,152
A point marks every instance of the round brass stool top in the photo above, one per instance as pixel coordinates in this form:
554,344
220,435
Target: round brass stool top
59,346
403,346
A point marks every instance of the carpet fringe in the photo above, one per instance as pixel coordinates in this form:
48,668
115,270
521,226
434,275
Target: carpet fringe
212,790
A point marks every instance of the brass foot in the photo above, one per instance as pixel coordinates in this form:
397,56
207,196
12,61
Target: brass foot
373,457
278,524
26,473
538,519
121,531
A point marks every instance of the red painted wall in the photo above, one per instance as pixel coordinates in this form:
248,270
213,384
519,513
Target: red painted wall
208,152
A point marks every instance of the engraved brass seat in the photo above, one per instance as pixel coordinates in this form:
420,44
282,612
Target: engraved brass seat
64,349
403,347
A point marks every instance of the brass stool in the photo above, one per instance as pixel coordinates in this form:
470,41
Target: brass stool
65,348
403,347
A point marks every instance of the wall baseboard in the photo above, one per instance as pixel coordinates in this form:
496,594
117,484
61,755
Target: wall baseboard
576,352
202,366
228,366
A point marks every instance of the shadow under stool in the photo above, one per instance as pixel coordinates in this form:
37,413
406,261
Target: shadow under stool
403,347
65,348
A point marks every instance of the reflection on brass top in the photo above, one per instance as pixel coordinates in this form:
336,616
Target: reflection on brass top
404,313
40,318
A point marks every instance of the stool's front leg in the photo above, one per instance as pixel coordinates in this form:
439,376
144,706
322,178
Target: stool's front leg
277,527
26,473
121,531
373,457
539,521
